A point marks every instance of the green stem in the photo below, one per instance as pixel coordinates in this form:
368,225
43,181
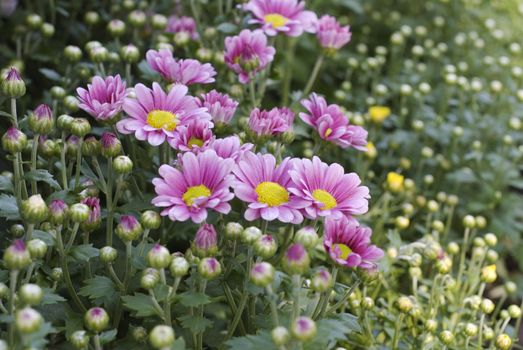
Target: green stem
314,74
395,338
34,153
78,163
287,78
29,232
127,276
462,257
274,308
480,335
109,200
343,300
73,236
244,297
200,335
252,90
296,283
96,341
13,112
11,306
17,181
63,169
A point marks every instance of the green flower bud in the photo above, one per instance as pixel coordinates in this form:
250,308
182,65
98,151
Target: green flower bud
488,274
91,17
404,304
150,219
179,266
161,337
233,230
12,85
321,281
108,254
79,212
492,256
37,248
122,164
80,127
130,53
48,148
514,311
510,287
280,336
306,236
265,246
4,291
446,337
14,141
453,248
79,339
487,306
72,54
209,268
96,319
490,239
304,329
262,274
250,234
139,334
34,209
71,103
28,320
99,54
137,18
503,342
415,272
64,122
57,274
116,28
17,230
367,303
111,146
471,329
159,21
401,222
444,265
31,294
47,30
34,21
481,222
431,325
91,147
159,257
150,278
469,221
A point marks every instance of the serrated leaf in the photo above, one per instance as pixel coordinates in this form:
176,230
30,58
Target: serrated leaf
108,336
6,184
192,299
141,304
8,207
42,175
98,287
44,236
83,252
50,74
331,331
179,344
261,341
195,324
51,298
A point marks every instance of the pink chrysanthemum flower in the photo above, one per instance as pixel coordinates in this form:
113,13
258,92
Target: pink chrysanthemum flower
155,115
248,53
195,136
348,244
273,122
331,34
286,16
231,147
95,215
202,183
104,98
328,191
263,185
183,71
332,125
220,106
182,24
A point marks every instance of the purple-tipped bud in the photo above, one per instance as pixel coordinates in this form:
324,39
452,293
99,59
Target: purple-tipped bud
150,219
13,86
296,260
58,211
209,268
304,329
95,215
111,146
37,248
307,236
28,320
41,120
262,274
34,209
73,142
159,257
265,246
14,140
206,241
129,228
321,281
150,278
96,319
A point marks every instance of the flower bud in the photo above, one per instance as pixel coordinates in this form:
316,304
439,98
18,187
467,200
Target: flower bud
401,222
16,256
31,294
80,127
488,274
37,248
150,278
34,21
415,272
14,140
205,242
79,339
514,311
159,257
79,212
58,211
159,21
129,228
91,147
438,226
28,320
280,336
116,27
4,291
150,219
481,222
487,306
503,342
250,234
130,53
471,329
444,265
179,266
265,246
304,329
110,145
17,230
96,319
64,122
95,214
161,337
321,281
431,325
41,120
108,254
404,304
394,182
307,237
72,53
34,209
233,230
492,256
137,18
57,274
453,248
490,239
432,206
296,260
12,85
432,251
209,268
469,221
139,334
262,274
446,337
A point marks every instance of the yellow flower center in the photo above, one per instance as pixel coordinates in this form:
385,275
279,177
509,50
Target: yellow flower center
195,192
326,198
344,249
271,193
379,113
276,20
328,132
194,141
162,120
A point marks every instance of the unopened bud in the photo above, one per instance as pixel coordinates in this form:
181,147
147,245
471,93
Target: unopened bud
96,319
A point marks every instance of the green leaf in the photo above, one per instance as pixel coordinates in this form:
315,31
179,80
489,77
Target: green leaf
227,28
8,207
6,185
6,318
141,304
195,324
44,236
42,175
50,74
261,341
51,298
331,331
84,252
98,287
108,336
38,339
192,299
179,344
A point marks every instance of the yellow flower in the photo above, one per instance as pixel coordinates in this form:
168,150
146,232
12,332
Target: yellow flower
371,150
379,113
395,182
488,274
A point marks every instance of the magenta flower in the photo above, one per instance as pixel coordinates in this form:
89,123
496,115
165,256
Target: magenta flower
155,115
286,16
349,244
273,122
182,24
327,190
104,98
183,71
331,34
95,215
202,183
263,185
332,125
248,53
195,136
220,106
230,147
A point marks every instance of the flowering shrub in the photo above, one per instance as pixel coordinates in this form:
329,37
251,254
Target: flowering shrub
258,175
